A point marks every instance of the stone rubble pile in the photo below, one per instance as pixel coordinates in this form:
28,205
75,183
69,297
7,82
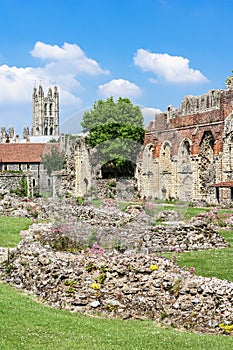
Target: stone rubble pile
133,230
120,189
12,205
136,283
127,285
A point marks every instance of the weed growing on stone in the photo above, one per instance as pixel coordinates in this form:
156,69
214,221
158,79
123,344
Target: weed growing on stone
93,239
90,267
94,250
227,328
95,286
100,279
33,211
70,283
176,286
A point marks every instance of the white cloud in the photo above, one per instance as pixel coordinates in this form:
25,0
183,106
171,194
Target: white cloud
149,112
174,69
153,80
16,84
119,88
46,51
62,67
69,57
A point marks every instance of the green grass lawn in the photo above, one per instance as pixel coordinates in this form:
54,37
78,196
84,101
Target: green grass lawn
10,228
211,263
28,325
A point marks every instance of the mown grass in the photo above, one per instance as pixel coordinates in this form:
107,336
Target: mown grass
29,325
10,228
209,263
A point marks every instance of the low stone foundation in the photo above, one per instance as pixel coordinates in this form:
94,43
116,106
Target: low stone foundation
126,284
121,285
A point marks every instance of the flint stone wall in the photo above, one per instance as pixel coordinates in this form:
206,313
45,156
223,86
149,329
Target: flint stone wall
120,285
124,285
9,181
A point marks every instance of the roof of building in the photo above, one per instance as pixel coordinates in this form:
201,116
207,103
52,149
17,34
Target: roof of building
228,183
24,152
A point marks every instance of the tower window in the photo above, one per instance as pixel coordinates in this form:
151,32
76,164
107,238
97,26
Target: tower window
45,109
50,109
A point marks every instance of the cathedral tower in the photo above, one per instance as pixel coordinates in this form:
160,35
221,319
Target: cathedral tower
45,111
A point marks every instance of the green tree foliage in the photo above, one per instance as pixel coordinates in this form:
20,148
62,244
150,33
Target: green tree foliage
22,190
109,111
117,131
110,131
54,160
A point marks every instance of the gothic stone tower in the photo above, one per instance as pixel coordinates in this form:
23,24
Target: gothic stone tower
45,112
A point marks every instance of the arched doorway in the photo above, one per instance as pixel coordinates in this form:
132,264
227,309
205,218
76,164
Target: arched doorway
207,171
184,172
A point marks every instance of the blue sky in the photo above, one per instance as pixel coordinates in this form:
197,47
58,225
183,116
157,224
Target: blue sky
154,52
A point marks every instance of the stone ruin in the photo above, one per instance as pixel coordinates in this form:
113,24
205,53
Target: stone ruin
188,149
132,280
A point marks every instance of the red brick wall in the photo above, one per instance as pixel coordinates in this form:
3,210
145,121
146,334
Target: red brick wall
190,126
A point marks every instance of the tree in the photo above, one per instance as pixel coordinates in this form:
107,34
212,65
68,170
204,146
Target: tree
54,160
116,130
109,111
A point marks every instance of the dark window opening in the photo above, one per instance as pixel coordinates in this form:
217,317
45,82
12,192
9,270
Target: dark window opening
217,194
232,193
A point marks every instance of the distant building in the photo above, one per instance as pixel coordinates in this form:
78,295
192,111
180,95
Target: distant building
18,157
26,158
45,119
45,109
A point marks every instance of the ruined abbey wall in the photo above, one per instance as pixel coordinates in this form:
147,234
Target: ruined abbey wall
77,174
190,148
